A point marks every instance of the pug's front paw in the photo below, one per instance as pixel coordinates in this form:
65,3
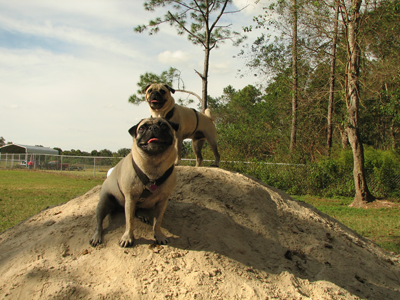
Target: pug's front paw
126,240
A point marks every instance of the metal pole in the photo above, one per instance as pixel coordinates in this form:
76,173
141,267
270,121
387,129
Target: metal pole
94,167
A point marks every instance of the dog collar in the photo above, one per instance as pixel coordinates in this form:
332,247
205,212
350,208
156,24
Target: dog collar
170,114
197,120
151,186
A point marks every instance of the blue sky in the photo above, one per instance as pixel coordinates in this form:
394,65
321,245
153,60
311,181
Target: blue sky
67,69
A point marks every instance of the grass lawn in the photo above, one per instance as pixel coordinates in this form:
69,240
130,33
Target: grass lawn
381,225
25,193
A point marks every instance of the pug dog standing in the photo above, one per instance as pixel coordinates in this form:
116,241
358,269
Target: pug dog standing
145,178
192,125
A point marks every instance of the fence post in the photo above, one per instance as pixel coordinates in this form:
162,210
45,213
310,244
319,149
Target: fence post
94,167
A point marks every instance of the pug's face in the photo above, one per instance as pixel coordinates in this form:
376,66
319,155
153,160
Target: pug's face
157,95
154,135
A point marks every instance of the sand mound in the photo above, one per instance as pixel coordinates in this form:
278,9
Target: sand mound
231,238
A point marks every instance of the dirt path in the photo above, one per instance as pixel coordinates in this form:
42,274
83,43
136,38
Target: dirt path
231,238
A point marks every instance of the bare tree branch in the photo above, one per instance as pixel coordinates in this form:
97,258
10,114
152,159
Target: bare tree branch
191,93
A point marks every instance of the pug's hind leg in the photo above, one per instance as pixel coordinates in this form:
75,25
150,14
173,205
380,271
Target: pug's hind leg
105,206
197,146
144,215
214,148
179,146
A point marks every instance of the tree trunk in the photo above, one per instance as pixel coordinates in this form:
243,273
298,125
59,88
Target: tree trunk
295,78
344,138
394,132
363,194
332,80
205,78
392,124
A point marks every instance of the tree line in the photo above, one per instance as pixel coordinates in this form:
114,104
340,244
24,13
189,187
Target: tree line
102,153
328,74
333,54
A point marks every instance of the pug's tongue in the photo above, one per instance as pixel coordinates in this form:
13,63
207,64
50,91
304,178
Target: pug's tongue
152,140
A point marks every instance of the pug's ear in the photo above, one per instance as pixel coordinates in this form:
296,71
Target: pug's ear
170,88
175,126
145,89
132,130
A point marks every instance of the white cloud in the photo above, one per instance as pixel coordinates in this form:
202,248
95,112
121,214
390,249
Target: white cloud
68,34
171,58
24,59
12,106
252,6
102,13
221,67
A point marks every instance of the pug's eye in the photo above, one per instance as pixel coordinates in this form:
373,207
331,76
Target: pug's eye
149,91
141,129
163,92
163,126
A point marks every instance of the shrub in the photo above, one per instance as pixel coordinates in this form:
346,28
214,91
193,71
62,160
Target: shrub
330,176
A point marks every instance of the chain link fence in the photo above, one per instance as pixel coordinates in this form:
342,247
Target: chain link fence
314,179
95,166
295,179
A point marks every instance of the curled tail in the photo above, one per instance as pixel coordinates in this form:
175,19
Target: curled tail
207,112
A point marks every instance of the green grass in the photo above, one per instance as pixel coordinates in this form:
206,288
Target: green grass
381,225
25,193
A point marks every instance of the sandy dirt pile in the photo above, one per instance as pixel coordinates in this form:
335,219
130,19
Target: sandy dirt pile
231,238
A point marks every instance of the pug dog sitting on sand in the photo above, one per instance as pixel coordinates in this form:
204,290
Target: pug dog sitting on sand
192,125
145,178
